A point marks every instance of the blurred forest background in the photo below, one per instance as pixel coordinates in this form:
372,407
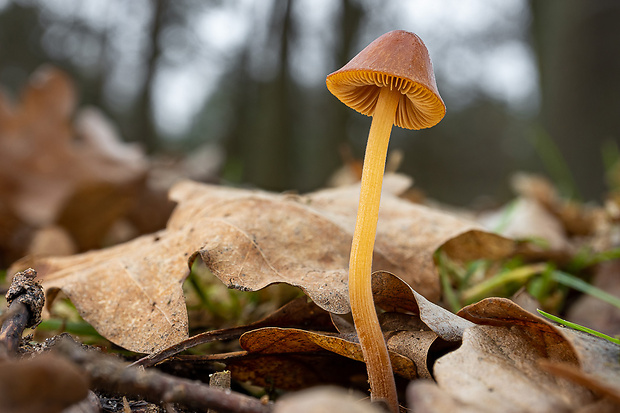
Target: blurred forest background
529,85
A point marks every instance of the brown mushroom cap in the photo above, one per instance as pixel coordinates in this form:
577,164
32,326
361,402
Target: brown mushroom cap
399,60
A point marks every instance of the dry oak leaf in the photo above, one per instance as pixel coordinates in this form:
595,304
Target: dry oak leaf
497,369
598,359
132,293
507,364
305,241
599,364
394,295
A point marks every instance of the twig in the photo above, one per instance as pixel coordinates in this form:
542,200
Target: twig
26,299
202,338
13,328
110,374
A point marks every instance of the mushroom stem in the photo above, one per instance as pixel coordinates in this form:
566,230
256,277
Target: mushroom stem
374,349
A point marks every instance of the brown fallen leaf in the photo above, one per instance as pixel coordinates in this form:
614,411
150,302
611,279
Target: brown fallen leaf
496,369
132,295
249,254
47,171
504,365
415,345
290,340
393,294
499,311
595,355
129,293
599,364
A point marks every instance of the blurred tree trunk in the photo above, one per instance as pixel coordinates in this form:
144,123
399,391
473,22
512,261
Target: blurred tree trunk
269,153
577,42
261,137
340,115
144,131
266,138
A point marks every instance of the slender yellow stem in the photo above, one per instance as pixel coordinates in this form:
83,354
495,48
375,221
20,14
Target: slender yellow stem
374,349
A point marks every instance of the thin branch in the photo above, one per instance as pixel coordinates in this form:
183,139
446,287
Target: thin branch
110,374
26,299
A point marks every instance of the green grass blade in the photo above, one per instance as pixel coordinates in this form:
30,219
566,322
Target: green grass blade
578,327
486,288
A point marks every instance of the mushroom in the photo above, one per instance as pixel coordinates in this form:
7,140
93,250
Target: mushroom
391,80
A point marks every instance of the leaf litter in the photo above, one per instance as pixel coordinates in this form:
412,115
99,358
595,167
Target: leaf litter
232,231
491,356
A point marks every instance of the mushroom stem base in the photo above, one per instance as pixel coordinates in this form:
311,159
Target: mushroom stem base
372,343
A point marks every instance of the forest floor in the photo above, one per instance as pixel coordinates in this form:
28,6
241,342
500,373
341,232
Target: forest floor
134,285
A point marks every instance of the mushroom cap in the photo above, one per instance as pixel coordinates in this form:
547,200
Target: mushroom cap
399,60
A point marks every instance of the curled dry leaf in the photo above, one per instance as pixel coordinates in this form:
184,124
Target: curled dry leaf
598,359
393,294
290,340
409,336
132,293
503,365
599,364
496,369
415,345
